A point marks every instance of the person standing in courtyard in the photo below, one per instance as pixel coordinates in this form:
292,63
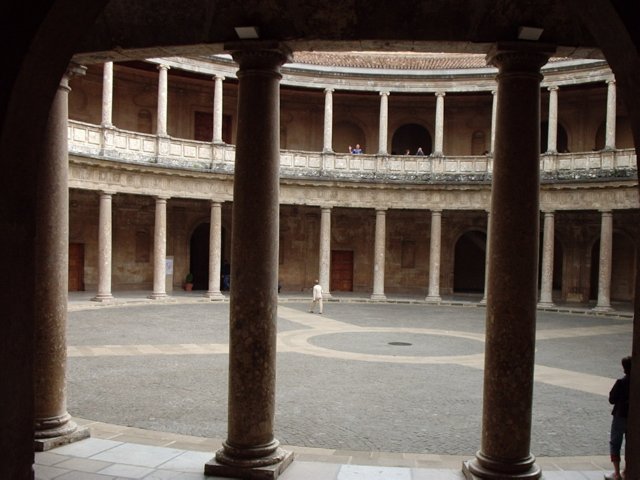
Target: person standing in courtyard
619,398
316,297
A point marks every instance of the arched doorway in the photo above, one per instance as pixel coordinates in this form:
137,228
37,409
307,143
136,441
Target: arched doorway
409,137
199,258
469,262
348,133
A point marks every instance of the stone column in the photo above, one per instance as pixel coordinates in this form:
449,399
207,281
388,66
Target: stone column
379,255
434,257
494,108
217,109
483,301
53,426
215,252
251,450
162,100
160,250
104,249
604,272
384,123
513,286
552,135
546,286
328,121
610,141
107,95
325,250
438,149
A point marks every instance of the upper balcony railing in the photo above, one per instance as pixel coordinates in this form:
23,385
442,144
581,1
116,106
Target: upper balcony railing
131,147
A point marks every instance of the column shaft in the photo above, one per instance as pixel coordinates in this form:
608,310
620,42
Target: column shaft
328,121
610,141
512,290
215,252
325,250
552,134
250,443
384,123
162,100
217,109
604,272
107,95
439,140
546,286
379,256
53,425
434,256
494,108
160,250
104,248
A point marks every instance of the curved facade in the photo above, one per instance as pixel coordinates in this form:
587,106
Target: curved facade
162,133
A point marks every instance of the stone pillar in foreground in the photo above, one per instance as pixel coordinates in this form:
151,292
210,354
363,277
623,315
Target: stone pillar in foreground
513,286
53,425
251,450
604,272
160,250
215,252
546,284
434,257
325,250
379,255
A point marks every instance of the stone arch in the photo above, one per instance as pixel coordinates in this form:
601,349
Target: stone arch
469,262
410,136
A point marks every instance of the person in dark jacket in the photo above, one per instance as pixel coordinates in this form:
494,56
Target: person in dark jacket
619,398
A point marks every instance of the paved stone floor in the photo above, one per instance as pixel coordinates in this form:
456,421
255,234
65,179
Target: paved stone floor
364,391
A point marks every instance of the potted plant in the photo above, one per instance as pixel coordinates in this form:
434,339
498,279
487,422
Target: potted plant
188,282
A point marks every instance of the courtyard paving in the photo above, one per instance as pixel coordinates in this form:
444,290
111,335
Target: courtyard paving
395,384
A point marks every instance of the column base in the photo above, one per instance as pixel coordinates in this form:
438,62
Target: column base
214,296
546,305
102,297
282,459
156,296
483,301
378,296
77,434
483,467
433,299
603,308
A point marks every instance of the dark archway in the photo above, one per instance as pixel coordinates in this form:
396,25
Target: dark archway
562,139
409,137
199,258
469,262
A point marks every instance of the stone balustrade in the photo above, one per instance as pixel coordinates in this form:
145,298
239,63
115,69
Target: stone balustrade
133,147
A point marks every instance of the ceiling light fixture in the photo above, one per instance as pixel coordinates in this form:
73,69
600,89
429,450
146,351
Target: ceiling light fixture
529,33
246,33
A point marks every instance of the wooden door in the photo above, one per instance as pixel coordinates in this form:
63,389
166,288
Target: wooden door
341,271
76,267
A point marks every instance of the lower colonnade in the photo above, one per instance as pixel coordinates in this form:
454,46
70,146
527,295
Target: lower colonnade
512,293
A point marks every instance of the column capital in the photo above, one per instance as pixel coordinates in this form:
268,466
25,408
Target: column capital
385,93
215,202
436,211
610,81
259,54
162,66
548,213
606,212
107,192
329,90
326,207
380,210
553,88
440,93
162,197
494,92
219,77
519,56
